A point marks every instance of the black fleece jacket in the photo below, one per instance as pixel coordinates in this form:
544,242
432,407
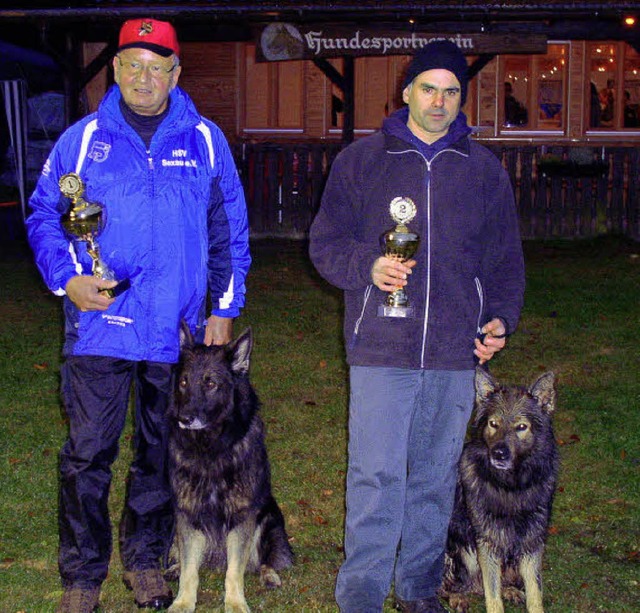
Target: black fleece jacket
469,267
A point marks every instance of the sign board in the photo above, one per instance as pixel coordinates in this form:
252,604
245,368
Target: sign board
285,41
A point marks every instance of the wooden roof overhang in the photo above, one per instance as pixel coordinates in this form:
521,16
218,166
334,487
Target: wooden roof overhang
208,19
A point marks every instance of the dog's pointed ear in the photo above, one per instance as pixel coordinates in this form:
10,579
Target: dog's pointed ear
186,338
239,352
544,391
485,384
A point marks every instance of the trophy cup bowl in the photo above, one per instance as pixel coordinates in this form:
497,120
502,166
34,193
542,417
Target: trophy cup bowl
84,221
398,244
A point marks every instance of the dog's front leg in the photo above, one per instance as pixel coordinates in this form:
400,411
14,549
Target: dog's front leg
239,543
191,548
491,579
531,573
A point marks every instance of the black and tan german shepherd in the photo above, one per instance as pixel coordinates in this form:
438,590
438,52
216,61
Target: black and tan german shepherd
506,483
226,515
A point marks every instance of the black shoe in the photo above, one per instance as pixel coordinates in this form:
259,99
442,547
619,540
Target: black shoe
79,600
424,605
150,590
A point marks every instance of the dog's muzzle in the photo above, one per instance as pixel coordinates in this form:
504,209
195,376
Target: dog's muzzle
191,423
501,457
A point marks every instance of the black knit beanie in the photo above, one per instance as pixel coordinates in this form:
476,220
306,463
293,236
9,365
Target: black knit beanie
439,54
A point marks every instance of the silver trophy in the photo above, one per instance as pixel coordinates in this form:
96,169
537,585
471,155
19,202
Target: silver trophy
84,222
399,244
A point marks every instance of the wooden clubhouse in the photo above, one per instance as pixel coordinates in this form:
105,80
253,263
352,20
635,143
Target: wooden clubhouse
555,91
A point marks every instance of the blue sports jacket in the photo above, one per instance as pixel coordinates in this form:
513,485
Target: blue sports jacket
175,225
469,268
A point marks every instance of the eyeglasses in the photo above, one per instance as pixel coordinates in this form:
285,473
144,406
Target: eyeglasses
135,69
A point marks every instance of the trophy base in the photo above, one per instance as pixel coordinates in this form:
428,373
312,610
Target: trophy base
113,292
385,310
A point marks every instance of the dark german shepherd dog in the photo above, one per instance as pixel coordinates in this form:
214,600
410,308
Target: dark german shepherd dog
220,475
506,482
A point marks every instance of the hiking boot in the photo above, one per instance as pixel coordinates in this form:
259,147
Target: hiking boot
424,605
79,600
150,590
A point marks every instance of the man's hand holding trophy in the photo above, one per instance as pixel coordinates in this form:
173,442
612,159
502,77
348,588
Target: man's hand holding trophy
84,221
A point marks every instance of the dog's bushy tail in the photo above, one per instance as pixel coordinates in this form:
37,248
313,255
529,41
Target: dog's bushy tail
274,548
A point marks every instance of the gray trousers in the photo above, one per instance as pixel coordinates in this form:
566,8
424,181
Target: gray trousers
406,431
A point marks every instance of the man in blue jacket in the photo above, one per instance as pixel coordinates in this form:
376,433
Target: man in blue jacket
412,369
175,228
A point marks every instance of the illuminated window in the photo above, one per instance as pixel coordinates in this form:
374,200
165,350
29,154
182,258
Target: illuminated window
631,91
602,87
614,86
534,90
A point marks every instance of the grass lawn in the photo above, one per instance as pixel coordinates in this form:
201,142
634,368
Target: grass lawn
581,319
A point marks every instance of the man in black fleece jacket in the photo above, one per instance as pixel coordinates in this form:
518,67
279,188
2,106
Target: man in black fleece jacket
411,376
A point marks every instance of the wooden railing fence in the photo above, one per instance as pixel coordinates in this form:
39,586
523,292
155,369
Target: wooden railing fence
561,192
578,191
283,184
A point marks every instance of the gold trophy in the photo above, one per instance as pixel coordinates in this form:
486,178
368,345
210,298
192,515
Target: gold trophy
84,221
399,244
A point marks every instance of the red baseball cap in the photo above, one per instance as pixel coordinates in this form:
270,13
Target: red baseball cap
157,36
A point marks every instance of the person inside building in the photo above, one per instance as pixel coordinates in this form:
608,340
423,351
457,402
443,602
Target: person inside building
594,106
631,119
174,234
412,369
607,100
515,114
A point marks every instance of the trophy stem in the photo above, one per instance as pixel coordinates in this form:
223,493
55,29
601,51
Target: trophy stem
397,298
98,267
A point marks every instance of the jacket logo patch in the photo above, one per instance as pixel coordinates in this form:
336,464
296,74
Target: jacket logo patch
118,320
181,155
99,151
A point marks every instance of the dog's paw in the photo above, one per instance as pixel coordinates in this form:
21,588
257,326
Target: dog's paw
182,606
269,577
458,603
513,594
236,607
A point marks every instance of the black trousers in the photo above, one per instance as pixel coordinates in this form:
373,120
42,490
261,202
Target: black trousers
96,392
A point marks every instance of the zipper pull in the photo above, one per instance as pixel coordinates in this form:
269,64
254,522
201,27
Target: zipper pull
149,160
